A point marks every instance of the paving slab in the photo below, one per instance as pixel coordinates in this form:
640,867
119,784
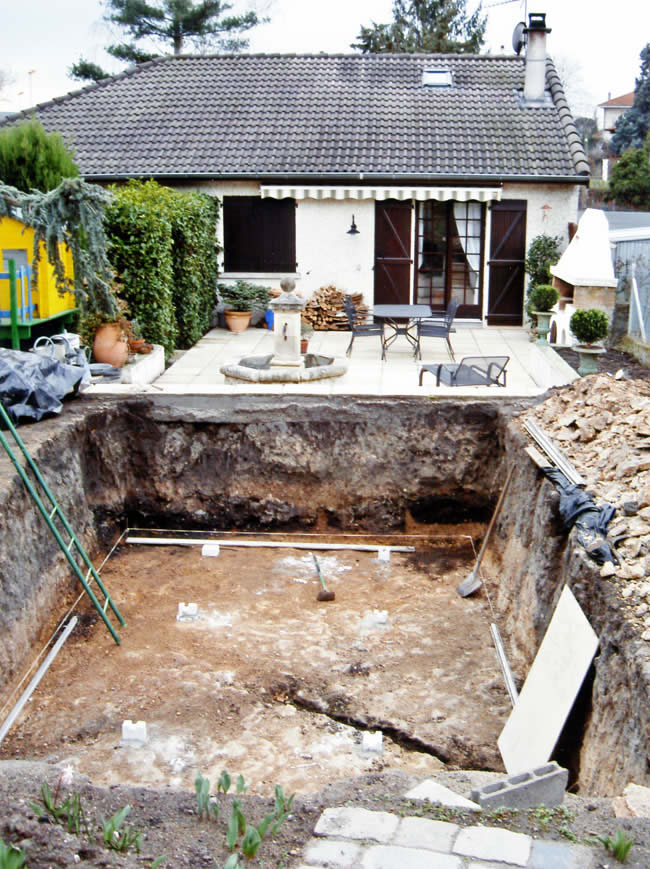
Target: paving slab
560,856
493,843
439,794
391,857
424,833
354,823
331,852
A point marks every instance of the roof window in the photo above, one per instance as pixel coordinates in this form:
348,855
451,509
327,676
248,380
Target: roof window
437,78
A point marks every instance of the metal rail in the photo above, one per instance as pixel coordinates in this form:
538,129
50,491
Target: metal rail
556,456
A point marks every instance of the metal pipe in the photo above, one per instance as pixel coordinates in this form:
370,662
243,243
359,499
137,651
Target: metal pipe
29,690
511,688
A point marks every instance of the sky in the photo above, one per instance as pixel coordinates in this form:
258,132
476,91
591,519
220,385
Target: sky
597,53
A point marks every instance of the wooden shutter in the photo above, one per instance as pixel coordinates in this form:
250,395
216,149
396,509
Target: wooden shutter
259,234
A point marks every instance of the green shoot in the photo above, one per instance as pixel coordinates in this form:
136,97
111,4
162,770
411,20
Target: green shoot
619,845
224,782
251,842
10,857
118,835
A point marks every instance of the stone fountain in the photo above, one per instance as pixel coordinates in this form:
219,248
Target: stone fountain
285,364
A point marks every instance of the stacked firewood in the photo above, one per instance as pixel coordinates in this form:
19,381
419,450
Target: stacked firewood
324,310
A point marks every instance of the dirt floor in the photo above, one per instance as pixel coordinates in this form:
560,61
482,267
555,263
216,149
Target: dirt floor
610,362
267,681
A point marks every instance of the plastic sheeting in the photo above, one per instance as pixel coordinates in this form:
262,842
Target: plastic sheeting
578,508
33,385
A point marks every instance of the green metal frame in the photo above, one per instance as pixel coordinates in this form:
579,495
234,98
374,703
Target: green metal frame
49,514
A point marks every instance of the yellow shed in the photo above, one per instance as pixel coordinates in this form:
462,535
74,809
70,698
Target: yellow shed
38,300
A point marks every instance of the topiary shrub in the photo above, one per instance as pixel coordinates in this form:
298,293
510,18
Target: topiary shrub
244,296
31,159
543,297
543,252
589,325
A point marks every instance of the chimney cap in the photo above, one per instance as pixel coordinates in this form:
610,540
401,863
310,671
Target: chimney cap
537,22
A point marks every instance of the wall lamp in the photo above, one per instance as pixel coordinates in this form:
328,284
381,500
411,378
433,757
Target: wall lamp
353,228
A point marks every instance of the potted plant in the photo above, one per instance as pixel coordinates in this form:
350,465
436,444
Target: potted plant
306,331
240,299
542,299
589,325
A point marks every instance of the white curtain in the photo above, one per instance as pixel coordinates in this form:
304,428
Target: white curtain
468,221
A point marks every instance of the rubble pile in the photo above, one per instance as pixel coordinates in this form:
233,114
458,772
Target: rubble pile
602,424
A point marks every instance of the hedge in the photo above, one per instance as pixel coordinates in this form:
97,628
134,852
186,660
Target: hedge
164,251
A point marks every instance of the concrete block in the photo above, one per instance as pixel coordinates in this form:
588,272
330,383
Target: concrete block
543,785
331,852
135,733
353,823
559,856
423,833
493,843
372,741
383,857
438,794
383,553
145,368
210,550
187,612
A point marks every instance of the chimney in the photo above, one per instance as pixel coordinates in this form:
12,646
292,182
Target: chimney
535,80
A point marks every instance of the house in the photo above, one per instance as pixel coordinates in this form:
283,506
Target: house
606,117
403,177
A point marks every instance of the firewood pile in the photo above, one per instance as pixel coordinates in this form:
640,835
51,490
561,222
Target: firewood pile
325,309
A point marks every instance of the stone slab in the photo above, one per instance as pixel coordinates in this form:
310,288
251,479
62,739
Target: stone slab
542,785
353,823
331,852
550,689
546,854
493,843
145,368
390,857
436,793
424,833
637,798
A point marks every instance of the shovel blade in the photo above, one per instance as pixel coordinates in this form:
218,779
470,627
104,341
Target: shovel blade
469,585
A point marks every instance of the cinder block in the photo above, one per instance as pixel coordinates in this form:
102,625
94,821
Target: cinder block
187,612
134,732
543,785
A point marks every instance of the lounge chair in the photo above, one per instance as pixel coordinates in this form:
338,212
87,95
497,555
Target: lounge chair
437,328
361,329
470,371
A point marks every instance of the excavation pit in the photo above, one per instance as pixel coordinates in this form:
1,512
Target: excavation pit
398,651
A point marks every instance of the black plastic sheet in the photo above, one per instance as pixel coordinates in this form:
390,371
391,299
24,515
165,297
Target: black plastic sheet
32,386
578,508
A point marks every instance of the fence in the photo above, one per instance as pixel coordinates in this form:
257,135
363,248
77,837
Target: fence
632,263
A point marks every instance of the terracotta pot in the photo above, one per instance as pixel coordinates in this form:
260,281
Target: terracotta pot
110,345
304,345
237,321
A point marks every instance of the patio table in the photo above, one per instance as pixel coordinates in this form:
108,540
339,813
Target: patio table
392,314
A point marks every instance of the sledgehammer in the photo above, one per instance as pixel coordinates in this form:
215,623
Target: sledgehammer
323,594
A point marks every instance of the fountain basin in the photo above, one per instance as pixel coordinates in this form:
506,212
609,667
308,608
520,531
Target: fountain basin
260,369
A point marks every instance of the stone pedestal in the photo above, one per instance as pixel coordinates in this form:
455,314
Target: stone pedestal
287,309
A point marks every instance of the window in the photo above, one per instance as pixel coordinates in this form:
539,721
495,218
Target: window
437,78
449,253
259,234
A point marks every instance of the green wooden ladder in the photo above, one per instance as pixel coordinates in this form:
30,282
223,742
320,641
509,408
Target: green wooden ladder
50,510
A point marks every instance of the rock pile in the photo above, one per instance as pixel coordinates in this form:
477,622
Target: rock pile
602,424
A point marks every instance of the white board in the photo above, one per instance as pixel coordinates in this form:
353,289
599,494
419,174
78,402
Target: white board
549,692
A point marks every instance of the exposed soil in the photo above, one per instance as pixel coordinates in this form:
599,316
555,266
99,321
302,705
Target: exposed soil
268,682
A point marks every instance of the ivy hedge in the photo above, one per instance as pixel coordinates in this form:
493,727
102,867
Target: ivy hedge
163,248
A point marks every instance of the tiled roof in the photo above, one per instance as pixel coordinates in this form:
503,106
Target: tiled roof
317,116
626,100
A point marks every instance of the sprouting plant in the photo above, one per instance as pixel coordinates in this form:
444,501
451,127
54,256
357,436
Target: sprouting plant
619,845
240,785
250,843
282,807
205,804
224,782
118,835
157,862
236,825
69,813
231,863
11,857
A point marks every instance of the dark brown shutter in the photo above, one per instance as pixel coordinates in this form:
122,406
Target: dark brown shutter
507,256
259,234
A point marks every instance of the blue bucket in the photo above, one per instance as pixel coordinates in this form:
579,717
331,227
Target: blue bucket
268,316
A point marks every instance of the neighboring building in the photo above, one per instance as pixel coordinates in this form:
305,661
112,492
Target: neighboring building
609,112
447,165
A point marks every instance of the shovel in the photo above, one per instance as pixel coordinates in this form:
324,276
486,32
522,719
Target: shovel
472,581
323,594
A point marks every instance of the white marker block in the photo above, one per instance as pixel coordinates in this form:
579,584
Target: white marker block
134,732
372,741
187,612
210,550
383,553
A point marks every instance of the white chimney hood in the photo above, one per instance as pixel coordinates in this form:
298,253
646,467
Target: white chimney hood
587,261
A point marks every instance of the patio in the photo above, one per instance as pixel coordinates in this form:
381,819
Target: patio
532,369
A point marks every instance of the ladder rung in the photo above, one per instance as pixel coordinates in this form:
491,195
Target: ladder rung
105,607
54,511
69,546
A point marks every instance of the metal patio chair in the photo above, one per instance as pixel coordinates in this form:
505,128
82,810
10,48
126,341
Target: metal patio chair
437,328
470,371
361,329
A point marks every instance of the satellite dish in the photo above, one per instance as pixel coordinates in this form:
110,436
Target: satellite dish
519,37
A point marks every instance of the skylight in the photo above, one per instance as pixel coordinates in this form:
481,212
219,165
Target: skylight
437,78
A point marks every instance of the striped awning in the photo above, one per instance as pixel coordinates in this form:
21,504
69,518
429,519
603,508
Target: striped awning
442,194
